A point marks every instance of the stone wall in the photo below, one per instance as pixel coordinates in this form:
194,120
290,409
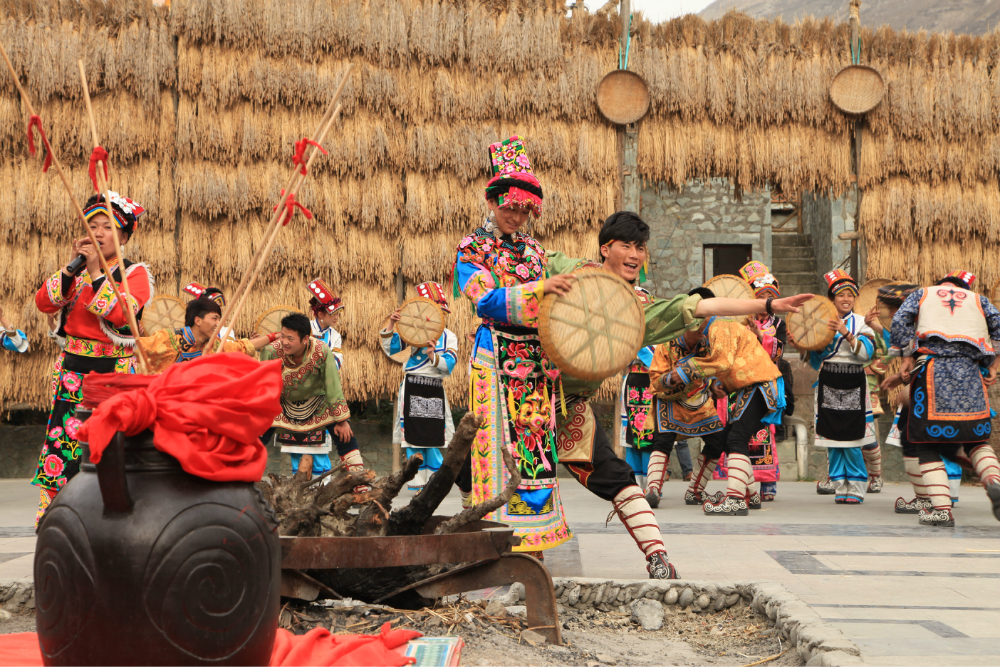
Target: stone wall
682,222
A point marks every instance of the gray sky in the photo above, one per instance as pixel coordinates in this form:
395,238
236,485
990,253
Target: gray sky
658,10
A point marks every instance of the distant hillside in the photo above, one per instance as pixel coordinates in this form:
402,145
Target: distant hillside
973,17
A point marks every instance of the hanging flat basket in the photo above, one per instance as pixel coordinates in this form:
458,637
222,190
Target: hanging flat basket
731,287
164,312
270,321
867,295
857,89
623,97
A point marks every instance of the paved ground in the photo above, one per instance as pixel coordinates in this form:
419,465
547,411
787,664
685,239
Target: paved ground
905,594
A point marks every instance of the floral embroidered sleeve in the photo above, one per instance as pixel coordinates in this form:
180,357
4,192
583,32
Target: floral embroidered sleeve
104,304
56,293
517,305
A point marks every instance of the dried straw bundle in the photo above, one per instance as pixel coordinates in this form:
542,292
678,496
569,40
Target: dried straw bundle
791,157
46,39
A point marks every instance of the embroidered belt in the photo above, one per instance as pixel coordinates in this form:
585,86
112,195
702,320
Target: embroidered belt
843,368
84,347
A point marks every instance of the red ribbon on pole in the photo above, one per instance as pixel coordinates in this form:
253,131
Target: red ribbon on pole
290,206
99,154
33,122
300,152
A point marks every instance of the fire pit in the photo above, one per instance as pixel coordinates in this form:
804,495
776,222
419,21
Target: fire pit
481,548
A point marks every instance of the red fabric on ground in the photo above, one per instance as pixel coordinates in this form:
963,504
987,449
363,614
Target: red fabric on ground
208,414
20,648
316,647
319,647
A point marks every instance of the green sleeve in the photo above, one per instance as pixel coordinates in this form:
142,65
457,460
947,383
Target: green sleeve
666,319
557,264
267,353
334,392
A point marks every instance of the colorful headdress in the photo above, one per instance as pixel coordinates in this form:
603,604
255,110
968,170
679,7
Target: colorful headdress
839,281
124,211
513,182
434,292
759,277
964,276
894,295
199,291
323,299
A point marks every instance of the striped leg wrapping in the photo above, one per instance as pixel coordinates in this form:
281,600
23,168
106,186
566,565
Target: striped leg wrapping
936,481
873,460
657,471
638,518
703,470
912,466
740,475
353,461
984,460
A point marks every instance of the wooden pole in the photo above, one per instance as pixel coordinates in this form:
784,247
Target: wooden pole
126,305
281,212
855,13
273,226
65,181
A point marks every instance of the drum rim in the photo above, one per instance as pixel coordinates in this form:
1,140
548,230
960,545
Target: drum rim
163,297
548,342
416,299
259,320
828,337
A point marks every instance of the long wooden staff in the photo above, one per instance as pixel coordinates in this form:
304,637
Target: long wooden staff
265,252
103,186
270,233
65,181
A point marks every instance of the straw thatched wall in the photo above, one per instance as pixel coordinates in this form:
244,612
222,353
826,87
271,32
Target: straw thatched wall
127,51
200,105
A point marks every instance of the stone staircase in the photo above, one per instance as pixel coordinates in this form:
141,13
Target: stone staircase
793,263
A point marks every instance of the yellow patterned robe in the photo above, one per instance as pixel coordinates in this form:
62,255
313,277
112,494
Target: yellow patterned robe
170,346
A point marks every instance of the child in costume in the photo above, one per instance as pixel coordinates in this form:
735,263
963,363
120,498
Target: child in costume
423,423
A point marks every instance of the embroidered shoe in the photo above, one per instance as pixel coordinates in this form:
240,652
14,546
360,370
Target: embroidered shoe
659,567
933,517
691,499
716,497
875,484
753,501
827,488
767,497
993,491
912,506
729,506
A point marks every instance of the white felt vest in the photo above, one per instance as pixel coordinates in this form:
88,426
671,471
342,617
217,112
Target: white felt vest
953,314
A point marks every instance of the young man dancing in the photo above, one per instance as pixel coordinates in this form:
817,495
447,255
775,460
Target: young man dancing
584,447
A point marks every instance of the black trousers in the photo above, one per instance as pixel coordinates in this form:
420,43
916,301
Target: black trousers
735,438
933,452
606,474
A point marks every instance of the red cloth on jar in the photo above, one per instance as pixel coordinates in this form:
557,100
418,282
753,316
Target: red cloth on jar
208,413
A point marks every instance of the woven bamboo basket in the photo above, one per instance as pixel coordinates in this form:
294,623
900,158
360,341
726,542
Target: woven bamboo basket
623,97
868,295
420,321
595,330
270,321
810,327
731,287
164,312
857,89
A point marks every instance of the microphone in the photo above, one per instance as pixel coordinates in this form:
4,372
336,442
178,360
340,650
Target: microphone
78,264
